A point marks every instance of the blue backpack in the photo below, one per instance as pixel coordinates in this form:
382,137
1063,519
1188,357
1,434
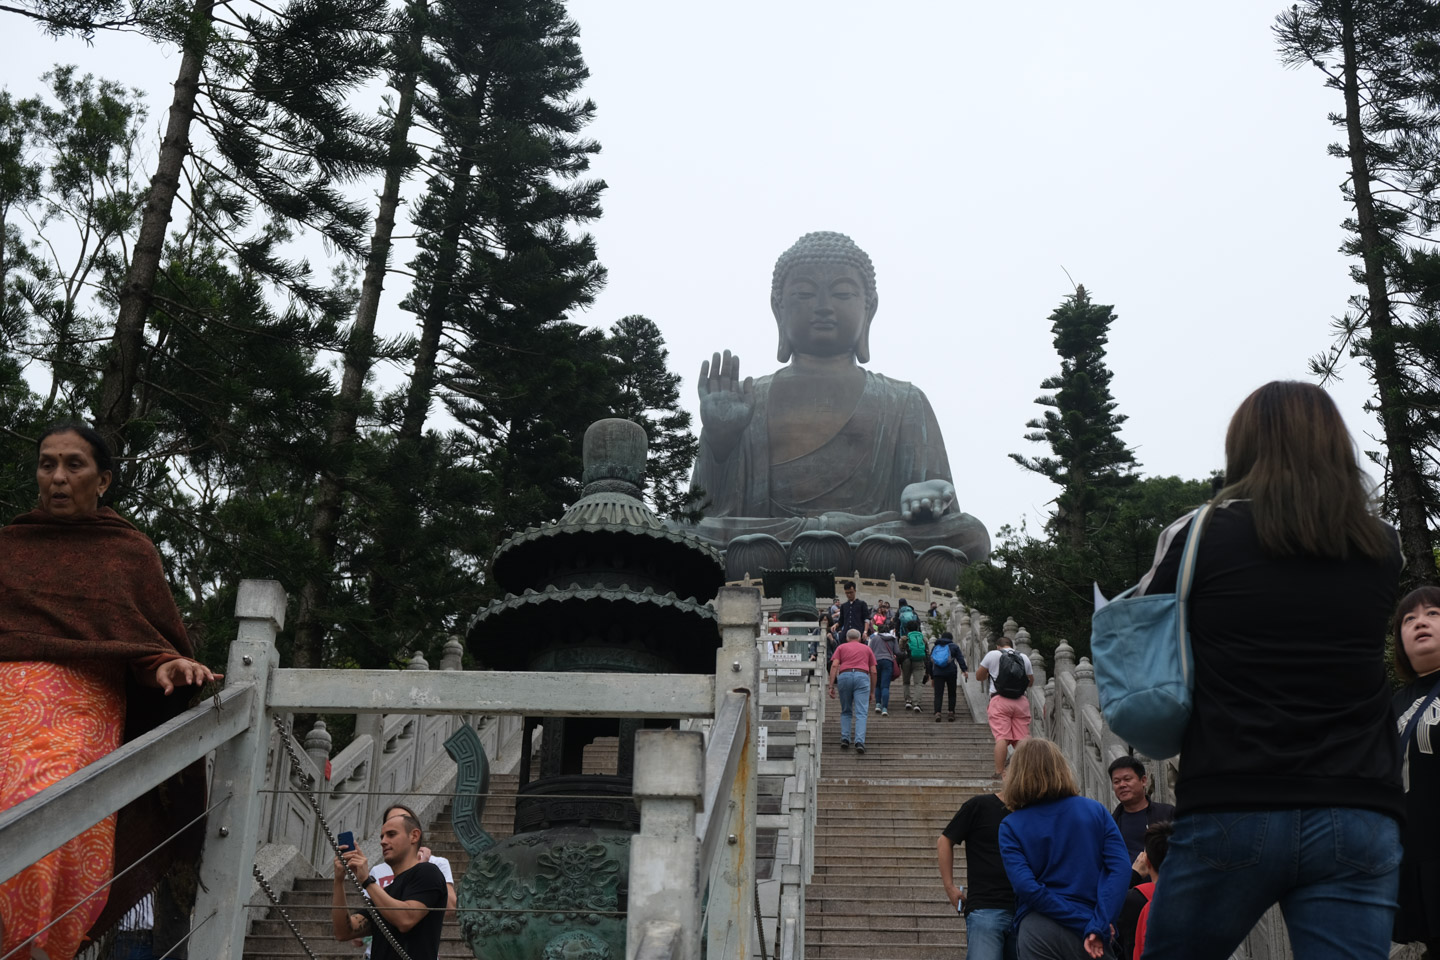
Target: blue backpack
940,656
1143,663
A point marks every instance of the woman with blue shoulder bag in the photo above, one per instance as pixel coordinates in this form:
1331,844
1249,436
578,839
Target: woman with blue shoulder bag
1289,783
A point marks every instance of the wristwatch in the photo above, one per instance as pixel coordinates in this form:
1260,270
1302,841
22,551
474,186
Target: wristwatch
368,880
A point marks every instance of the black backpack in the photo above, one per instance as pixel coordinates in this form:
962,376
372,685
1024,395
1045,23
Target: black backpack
1011,680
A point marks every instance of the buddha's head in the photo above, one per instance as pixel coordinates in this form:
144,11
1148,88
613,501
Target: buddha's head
823,296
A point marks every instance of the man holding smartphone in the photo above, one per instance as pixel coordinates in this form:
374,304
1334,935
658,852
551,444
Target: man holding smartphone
412,906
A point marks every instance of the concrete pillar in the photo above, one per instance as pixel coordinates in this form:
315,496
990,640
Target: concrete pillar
732,899
665,878
232,831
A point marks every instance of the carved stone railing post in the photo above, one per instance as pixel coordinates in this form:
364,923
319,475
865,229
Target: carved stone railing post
1053,713
1010,629
1086,693
454,656
317,746
232,831
1037,663
1064,658
1022,641
418,662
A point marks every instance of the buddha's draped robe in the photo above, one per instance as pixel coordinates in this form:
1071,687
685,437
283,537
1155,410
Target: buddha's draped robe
850,482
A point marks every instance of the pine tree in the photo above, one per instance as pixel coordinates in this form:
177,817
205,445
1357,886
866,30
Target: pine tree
361,349
1384,61
269,89
1048,586
649,394
1090,463
498,271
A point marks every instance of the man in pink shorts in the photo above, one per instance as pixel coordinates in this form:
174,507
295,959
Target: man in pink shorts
1006,676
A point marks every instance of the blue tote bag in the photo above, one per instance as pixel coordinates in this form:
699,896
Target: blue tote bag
1143,665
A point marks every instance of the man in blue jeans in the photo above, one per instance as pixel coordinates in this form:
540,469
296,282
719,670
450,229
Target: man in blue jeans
852,677
989,904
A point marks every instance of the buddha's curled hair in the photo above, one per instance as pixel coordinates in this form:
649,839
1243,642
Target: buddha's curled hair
825,246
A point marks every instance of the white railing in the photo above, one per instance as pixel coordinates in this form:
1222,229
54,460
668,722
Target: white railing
390,755
795,687
716,841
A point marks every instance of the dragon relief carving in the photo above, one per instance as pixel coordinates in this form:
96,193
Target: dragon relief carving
572,882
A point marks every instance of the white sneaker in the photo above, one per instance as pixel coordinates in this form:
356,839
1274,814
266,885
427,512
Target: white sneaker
884,713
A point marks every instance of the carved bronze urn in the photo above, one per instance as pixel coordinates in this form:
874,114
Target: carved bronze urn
607,588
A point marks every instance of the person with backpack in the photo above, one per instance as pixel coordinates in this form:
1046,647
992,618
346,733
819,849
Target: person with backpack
907,624
887,654
1006,676
914,656
946,662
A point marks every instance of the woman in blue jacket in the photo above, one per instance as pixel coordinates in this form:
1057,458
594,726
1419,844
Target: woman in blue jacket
1064,856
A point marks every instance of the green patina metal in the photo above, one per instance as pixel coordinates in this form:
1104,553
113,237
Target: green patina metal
608,587
797,586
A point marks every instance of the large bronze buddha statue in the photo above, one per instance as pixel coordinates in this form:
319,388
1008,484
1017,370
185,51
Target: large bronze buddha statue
824,453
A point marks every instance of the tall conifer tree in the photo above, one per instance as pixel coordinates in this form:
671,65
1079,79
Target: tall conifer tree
649,394
1384,61
1089,461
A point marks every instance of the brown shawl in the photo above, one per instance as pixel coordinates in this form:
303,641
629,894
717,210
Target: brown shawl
94,588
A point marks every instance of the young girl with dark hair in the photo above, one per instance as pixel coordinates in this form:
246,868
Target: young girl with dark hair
1416,638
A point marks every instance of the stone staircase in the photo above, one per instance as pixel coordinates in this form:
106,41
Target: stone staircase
876,891
309,902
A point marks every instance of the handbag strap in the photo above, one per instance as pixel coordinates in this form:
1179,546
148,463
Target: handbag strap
1183,578
1410,727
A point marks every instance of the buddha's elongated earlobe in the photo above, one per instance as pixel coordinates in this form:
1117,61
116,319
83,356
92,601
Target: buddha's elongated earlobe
862,346
783,351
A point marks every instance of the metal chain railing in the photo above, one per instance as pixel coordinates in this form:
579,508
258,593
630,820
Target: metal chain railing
284,914
305,780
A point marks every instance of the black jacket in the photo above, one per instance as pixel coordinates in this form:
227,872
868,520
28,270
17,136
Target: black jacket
853,614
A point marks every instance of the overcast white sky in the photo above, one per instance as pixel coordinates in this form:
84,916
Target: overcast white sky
1158,152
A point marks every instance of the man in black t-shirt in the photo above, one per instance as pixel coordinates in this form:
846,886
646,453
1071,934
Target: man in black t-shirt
989,905
1135,810
412,907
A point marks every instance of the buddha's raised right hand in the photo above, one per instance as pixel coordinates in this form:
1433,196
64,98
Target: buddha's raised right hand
726,403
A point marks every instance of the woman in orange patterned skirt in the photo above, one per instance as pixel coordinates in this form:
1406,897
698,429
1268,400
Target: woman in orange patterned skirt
91,645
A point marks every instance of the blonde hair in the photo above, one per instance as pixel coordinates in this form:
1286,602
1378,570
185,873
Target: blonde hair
1038,772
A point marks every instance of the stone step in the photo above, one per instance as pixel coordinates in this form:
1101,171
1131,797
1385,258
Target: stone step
884,949
325,947
932,931
852,914
876,891
878,872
